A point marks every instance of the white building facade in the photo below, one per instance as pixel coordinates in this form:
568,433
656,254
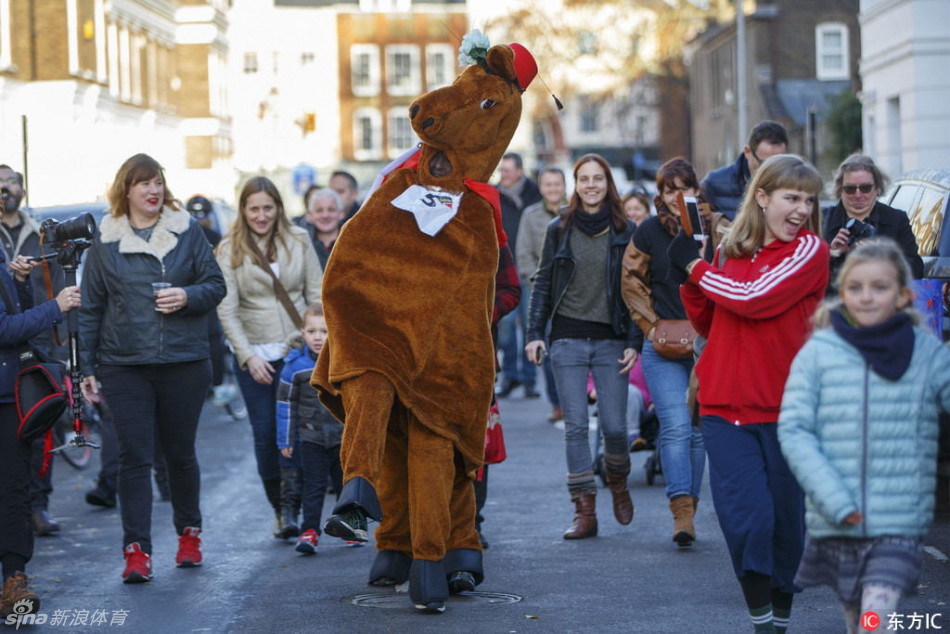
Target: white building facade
906,83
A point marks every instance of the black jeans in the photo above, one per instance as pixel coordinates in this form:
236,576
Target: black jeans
156,403
321,465
16,534
40,485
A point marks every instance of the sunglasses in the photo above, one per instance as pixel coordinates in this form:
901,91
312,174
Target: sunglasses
864,187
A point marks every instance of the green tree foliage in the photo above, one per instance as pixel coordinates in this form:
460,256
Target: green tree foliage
844,124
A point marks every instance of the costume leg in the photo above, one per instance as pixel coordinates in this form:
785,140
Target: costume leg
393,535
463,561
368,401
431,483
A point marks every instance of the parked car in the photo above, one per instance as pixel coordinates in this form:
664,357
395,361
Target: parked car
925,195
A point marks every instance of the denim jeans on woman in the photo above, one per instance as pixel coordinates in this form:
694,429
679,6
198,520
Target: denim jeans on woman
572,361
682,454
261,402
156,403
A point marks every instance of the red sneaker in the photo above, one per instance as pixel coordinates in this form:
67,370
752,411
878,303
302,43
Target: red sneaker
307,544
189,548
138,564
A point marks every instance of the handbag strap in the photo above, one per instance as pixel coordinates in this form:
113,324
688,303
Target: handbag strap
279,289
24,352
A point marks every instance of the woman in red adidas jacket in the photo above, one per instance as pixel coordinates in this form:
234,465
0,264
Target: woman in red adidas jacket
754,306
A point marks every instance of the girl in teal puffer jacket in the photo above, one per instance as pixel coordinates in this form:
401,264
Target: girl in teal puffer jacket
859,430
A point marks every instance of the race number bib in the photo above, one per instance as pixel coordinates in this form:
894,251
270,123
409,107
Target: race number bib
432,209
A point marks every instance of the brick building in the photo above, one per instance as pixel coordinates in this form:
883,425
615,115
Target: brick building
86,83
800,54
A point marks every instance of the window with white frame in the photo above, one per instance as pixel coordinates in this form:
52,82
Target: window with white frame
364,64
250,63
589,116
386,6
831,51
402,69
400,136
367,134
440,65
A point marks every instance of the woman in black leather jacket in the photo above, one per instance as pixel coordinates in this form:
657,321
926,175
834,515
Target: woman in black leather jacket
149,348
577,289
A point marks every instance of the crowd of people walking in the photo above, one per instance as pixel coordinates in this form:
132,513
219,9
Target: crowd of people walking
757,389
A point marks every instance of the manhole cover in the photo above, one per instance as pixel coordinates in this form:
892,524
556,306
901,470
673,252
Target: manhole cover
401,600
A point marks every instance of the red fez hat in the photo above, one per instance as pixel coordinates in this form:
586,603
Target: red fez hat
525,66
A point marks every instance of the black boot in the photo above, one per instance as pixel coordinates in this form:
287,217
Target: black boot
463,567
356,502
290,486
272,490
390,568
428,586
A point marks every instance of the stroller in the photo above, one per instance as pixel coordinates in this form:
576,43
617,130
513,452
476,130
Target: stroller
649,430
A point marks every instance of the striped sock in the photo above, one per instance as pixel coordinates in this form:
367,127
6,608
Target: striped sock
762,619
781,618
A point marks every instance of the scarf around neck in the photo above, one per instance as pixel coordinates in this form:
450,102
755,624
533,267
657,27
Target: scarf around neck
594,223
887,347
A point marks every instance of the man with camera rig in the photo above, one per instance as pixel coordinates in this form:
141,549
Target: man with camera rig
859,215
20,235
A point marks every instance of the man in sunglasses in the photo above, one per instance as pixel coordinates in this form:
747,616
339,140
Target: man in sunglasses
724,187
859,215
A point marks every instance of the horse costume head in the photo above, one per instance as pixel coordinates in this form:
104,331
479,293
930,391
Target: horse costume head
466,127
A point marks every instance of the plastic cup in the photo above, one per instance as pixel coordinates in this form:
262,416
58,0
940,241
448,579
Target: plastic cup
158,286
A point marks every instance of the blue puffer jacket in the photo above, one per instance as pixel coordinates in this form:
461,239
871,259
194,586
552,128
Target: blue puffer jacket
858,442
724,187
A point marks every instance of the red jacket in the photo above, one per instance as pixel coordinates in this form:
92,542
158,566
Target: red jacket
755,313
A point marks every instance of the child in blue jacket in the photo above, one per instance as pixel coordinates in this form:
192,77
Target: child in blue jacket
859,428
301,415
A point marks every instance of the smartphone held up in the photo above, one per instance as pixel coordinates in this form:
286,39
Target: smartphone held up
690,218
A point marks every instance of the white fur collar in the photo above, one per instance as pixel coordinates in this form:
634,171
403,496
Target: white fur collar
164,236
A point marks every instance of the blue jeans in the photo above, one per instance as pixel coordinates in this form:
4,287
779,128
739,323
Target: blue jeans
681,444
261,401
511,341
572,361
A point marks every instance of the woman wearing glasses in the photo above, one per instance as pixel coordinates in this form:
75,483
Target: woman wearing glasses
858,183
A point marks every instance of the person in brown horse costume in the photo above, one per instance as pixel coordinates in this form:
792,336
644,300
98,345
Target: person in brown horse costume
408,366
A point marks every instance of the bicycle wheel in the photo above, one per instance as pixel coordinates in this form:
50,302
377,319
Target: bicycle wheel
77,457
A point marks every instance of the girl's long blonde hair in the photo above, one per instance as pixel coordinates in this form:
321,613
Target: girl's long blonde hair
782,171
879,249
240,234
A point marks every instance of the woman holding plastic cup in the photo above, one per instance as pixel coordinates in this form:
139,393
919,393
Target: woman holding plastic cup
149,349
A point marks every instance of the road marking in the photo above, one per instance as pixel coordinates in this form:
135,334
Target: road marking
936,554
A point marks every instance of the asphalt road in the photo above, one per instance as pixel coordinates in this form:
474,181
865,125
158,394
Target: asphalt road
628,579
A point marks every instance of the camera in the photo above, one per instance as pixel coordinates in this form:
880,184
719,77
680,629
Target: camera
69,238
82,227
858,230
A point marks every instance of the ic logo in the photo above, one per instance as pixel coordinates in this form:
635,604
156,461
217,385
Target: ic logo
870,621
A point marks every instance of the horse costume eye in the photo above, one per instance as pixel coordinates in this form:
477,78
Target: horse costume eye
487,104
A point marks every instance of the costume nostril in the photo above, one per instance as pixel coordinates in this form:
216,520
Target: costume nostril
413,111
428,122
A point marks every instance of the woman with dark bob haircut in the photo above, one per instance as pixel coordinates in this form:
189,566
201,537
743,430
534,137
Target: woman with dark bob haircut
149,282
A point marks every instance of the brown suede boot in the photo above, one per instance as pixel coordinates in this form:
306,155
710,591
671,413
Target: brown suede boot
17,594
585,517
623,504
695,504
684,533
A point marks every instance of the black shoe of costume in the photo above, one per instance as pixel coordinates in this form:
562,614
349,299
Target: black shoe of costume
43,524
428,586
101,497
467,560
461,581
390,568
507,387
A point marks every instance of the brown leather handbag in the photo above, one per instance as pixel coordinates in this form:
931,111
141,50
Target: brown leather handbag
673,338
